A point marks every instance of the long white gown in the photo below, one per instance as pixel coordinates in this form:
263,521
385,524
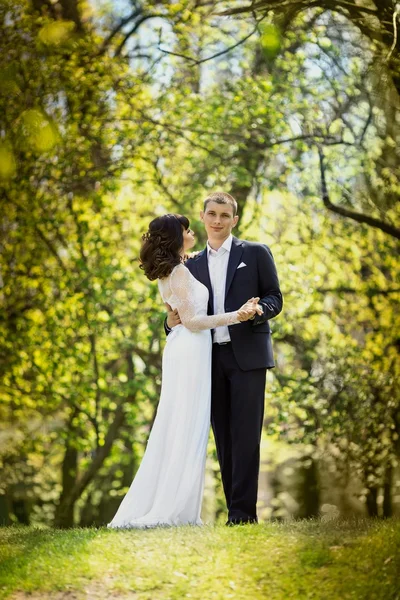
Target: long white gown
168,486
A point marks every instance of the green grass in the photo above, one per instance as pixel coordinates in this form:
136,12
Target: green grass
305,559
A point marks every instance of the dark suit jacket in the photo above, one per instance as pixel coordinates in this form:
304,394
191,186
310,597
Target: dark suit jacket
251,340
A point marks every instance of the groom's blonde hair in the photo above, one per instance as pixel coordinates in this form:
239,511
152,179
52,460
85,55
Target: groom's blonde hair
221,198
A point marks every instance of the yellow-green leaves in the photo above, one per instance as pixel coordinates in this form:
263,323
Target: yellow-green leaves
270,40
56,33
7,162
38,130
8,83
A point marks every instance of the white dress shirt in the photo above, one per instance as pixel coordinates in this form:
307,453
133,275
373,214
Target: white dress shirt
218,266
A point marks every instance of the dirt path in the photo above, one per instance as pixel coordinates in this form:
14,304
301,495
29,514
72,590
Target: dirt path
95,592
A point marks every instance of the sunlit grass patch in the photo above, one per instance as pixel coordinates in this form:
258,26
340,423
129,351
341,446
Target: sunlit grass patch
305,559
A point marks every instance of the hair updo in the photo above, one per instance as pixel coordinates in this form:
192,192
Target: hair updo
161,246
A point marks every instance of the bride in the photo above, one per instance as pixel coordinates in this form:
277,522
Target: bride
168,486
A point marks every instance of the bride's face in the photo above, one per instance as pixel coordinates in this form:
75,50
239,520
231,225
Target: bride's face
188,239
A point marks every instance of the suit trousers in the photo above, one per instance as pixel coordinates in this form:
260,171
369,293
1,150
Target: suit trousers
237,411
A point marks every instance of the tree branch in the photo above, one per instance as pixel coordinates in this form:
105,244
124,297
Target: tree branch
217,54
117,29
393,46
133,30
301,4
344,212
348,290
160,182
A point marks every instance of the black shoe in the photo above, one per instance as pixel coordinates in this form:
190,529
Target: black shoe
243,521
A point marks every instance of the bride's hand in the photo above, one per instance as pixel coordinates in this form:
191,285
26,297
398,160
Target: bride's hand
191,255
249,309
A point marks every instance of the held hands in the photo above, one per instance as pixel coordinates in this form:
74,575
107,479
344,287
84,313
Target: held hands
249,309
172,316
245,313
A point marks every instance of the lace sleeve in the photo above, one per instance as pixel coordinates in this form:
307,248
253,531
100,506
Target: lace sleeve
181,283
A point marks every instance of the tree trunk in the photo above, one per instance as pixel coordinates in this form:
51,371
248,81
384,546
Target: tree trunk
387,493
78,485
4,510
101,514
310,490
65,511
372,502
252,155
21,510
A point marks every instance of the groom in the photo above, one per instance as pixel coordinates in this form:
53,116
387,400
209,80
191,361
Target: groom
234,270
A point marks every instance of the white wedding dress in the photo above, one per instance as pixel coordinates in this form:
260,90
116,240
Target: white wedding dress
168,486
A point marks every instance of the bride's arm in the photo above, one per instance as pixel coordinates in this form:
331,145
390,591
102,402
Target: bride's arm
181,283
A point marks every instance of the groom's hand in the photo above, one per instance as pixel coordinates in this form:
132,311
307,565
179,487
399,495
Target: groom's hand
172,316
248,311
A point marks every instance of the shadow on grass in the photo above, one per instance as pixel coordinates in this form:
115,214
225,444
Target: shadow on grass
31,555
357,558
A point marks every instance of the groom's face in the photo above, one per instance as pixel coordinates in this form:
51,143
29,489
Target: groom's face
218,220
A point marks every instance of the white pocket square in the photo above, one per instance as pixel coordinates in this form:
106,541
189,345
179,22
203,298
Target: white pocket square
242,264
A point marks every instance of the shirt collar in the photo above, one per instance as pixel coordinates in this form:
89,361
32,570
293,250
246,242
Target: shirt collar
227,245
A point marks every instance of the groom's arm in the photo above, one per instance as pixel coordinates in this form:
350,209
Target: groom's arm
171,320
271,300
167,329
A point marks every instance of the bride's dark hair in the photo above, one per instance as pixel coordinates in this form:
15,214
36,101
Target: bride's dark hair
161,246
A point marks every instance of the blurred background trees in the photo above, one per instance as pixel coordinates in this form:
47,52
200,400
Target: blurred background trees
111,115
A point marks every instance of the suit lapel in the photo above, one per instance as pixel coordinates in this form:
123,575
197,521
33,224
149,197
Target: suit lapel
234,260
204,276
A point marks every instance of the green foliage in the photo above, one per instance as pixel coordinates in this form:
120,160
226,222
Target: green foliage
80,307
